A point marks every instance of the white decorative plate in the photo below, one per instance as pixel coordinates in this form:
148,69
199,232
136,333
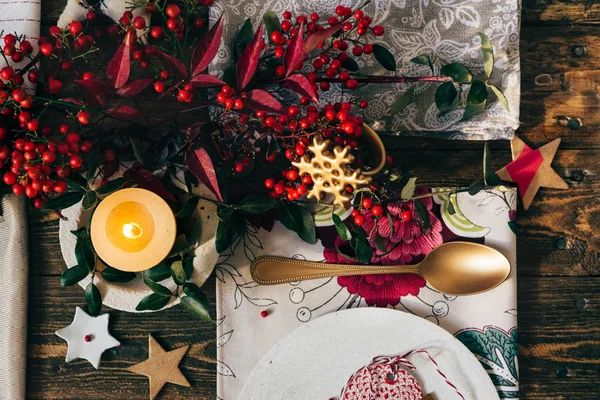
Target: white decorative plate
126,296
316,360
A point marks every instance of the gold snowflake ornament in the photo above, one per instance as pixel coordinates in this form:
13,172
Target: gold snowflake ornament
330,172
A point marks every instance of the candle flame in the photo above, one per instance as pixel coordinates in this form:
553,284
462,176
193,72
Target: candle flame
132,230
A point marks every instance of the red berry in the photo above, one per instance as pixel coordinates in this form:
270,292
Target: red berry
269,183
10,39
33,125
172,11
6,73
55,86
357,51
359,219
73,137
24,117
358,14
91,16
276,37
49,157
352,84
238,167
367,203
279,188
33,76
47,49
86,146
291,175
264,314
406,215
238,104
10,178
63,172
60,186
75,162
340,10
30,192
363,104
75,28
348,127
377,210
368,48
138,55
280,70
17,57
84,117
156,32
173,24
25,47
87,338
378,30
38,203
17,189
139,22
159,87
287,15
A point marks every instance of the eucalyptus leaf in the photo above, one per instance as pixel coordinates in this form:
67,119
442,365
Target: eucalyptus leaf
111,186
309,230
189,207
271,21
77,181
363,249
152,302
488,54
402,101
350,64
257,203
477,93
188,267
342,230
380,243
290,216
63,201
141,151
89,200
156,288
178,273
423,59
446,96
423,215
159,272
243,39
457,72
490,178
408,191
500,96
114,275
93,300
196,302
384,57
472,110
73,275
84,251
225,232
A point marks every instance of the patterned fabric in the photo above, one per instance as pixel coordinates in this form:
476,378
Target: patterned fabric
485,323
373,383
447,30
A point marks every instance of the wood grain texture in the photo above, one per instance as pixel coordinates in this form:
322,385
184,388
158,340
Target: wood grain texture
558,243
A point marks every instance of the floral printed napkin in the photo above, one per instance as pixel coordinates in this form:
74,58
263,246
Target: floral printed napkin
486,323
447,30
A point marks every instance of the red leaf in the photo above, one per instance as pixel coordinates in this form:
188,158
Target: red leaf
207,48
246,65
94,100
146,180
295,52
95,86
314,39
119,68
110,168
71,100
125,112
301,85
261,100
176,66
133,88
205,80
200,164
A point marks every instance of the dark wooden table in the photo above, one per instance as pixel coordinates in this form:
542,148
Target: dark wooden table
558,240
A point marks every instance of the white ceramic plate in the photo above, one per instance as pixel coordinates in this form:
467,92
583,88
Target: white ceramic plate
126,296
316,360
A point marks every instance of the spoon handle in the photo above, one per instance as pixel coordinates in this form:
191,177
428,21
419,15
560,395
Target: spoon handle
269,270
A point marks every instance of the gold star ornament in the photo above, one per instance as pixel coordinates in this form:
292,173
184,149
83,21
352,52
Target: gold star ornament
161,367
531,169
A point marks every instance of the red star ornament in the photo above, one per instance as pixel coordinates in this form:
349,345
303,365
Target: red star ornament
531,169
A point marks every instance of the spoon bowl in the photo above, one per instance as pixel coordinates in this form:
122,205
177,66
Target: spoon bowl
454,268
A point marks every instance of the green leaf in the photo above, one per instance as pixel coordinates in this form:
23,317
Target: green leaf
350,64
363,249
225,232
384,57
446,96
423,215
89,200
476,187
342,230
189,207
451,209
156,288
159,272
309,230
477,93
391,222
472,110
84,251
243,39
143,153
114,275
73,275
513,226
500,96
93,300
457,72
178,273
77,181
271,21
380,243
230,78
408,191
152,302
402,101
63,201
196,302
181,245
290,216
111,186
423,59
257,203
490,178
188,267
488,55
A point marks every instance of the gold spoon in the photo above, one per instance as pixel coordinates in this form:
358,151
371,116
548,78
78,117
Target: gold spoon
454,268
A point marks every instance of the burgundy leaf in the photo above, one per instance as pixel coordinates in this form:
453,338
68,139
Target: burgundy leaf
125,113
94,100
119,68
200,164
110,168
176,66
71,100
314,39
133,88
206,80
295,52
246,65
261,100
146,180
95,86
207,48
301,85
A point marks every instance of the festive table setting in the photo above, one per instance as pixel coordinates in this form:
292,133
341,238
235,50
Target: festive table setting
249,200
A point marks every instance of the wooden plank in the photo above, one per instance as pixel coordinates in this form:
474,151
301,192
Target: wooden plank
558,329
538,12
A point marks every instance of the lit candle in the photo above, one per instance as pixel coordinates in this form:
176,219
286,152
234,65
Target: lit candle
133,229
